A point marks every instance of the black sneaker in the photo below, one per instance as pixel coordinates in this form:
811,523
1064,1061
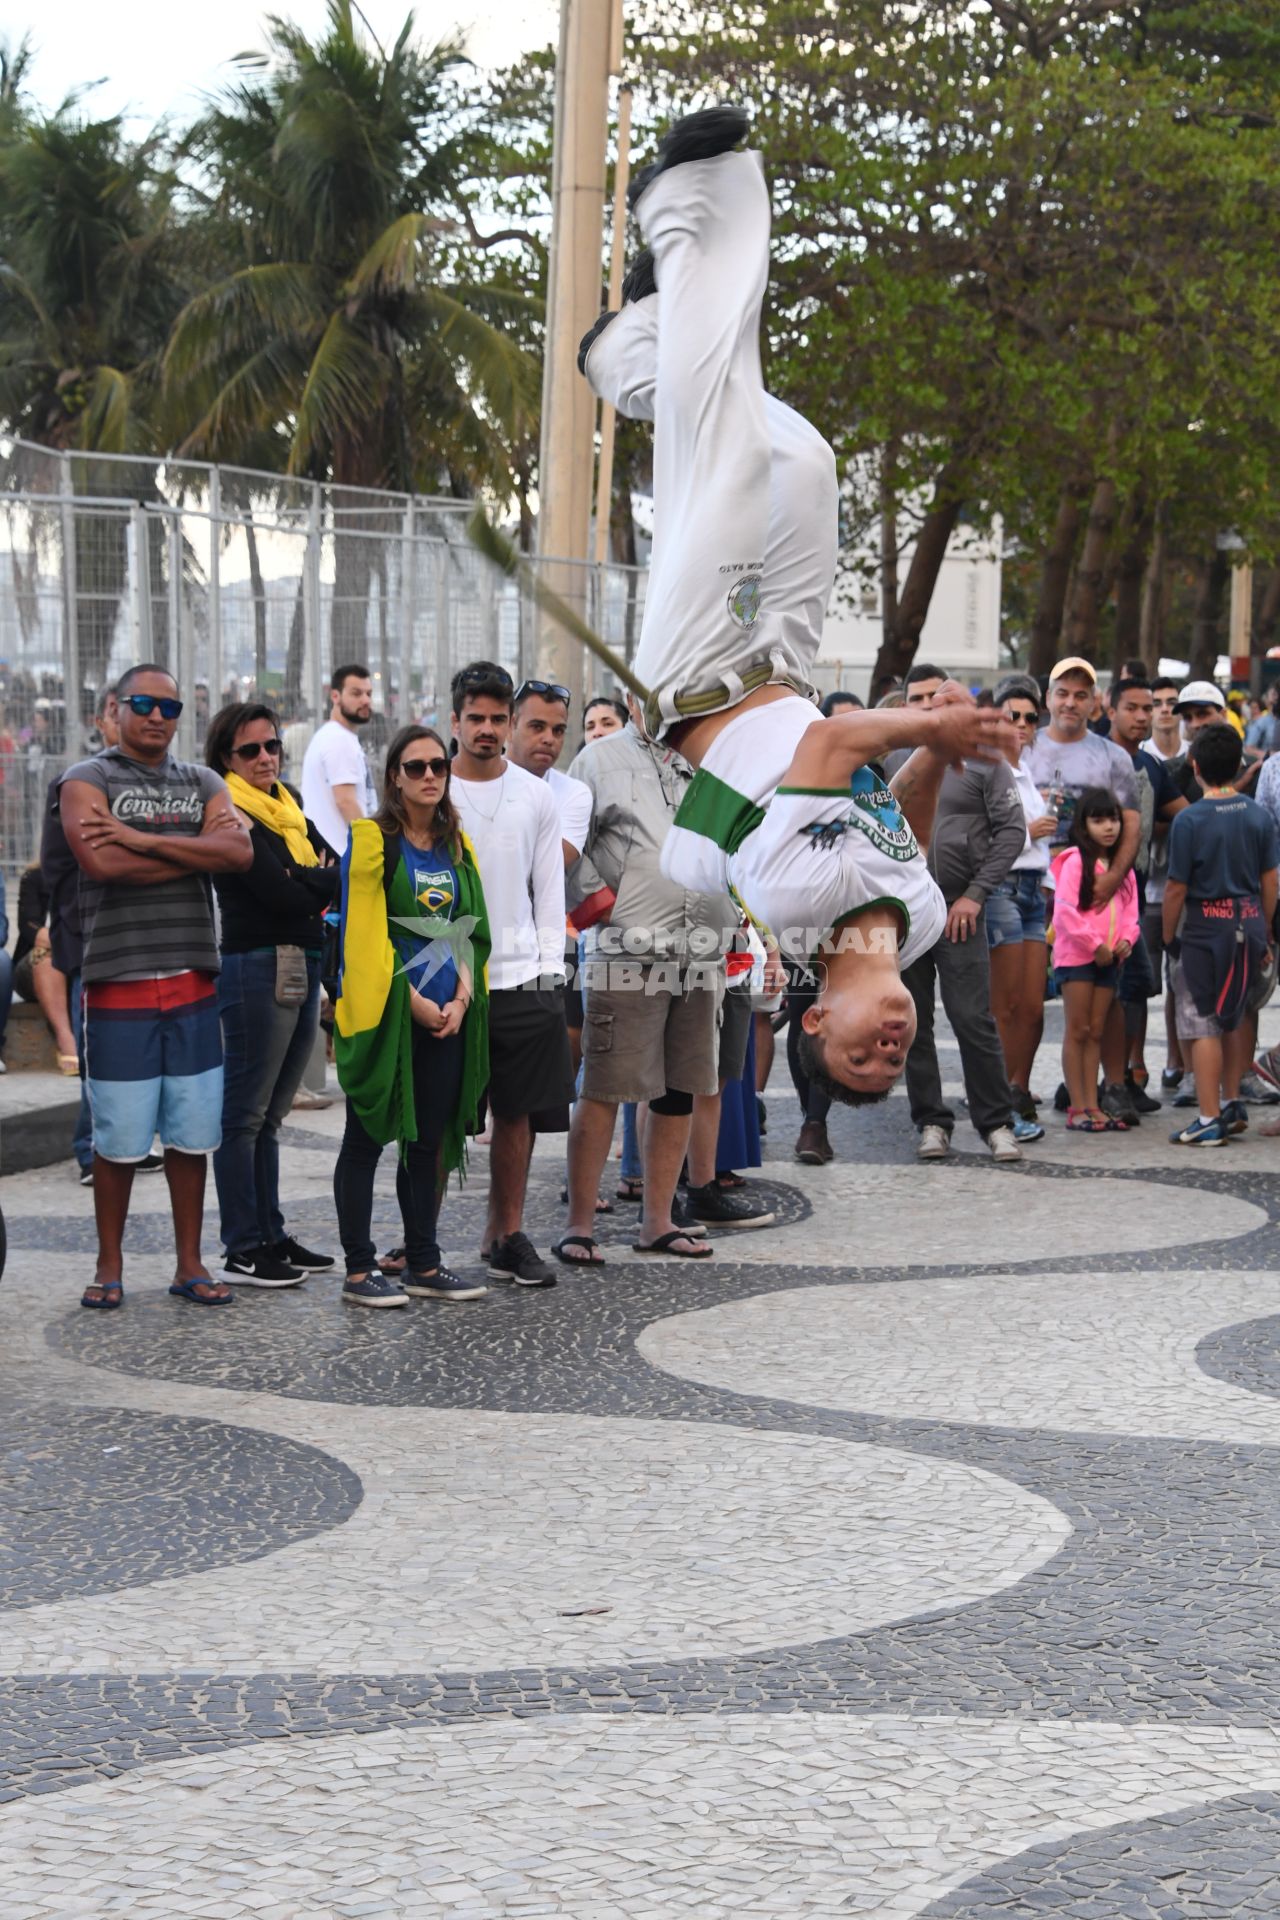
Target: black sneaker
516,1258
682,1216
1061,1099
86,1176
1171,1078
698,136
260,1268
375,1290
1235,1116
762,1116
441,1285
293,1255
1114,1100
1138,1094
149,1163
1023,1105
720,1209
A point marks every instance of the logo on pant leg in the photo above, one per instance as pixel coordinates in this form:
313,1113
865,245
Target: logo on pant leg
744,601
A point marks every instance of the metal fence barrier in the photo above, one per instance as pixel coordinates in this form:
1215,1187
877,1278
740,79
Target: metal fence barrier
244,585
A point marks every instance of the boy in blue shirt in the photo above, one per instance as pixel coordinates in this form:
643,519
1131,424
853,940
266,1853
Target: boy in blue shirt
1223,856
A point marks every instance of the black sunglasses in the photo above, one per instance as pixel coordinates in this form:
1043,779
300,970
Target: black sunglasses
1029,717
415,769
252,748
547,689
145,704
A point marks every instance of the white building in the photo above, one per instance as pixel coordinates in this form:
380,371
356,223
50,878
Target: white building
961,634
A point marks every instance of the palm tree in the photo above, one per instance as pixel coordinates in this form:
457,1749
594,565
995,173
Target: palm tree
89,288
335,170
88,284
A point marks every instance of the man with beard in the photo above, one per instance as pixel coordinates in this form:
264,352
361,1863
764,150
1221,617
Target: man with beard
337,786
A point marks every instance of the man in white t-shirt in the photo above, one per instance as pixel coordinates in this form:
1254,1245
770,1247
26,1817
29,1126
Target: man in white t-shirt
539,724
513,822
337,786
834,875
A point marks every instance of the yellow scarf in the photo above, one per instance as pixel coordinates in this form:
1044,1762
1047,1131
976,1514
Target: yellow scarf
279,811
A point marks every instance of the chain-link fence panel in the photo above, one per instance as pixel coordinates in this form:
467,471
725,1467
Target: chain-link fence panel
244,584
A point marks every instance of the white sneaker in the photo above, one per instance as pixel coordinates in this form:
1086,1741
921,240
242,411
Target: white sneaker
311,1102
935,1144
1003,1145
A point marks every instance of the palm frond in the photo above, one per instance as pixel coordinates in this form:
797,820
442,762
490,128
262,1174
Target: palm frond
346,384
105,422
508,377
396,258
260,393
239,315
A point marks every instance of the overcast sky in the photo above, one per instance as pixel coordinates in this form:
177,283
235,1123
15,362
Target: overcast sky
155,59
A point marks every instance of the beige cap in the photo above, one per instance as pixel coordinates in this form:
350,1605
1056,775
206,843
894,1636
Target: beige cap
1074,663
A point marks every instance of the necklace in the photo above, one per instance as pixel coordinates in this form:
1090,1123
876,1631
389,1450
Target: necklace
499,783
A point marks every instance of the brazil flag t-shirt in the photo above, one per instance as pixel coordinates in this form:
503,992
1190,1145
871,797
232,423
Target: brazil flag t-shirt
428,960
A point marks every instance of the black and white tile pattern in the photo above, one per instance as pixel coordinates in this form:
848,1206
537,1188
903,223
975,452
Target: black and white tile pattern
917,1556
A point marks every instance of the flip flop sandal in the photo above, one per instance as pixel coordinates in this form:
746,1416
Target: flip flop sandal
186,1290
394,1262
630,1189
1083,1120
665,1243
105,1288
594,1257
602,1206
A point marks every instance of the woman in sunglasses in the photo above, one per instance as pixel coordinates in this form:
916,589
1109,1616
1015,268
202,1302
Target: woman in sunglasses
1016,916
411,1030
268,993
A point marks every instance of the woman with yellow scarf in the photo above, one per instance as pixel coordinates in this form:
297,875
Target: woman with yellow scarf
268,993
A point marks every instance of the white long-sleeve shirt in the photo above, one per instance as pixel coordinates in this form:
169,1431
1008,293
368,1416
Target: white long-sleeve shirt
514,825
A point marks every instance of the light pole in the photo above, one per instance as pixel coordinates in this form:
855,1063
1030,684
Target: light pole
566,456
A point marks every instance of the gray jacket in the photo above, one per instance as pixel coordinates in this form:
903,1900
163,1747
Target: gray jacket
979,828
636,788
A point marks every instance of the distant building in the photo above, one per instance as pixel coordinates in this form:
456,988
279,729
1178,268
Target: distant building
962,630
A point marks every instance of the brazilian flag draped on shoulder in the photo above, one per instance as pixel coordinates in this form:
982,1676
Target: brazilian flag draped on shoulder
373,1025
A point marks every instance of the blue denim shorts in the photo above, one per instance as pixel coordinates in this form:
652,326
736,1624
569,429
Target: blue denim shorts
1016,911
1097,976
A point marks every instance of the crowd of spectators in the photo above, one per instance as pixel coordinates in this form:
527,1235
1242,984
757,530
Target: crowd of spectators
494,951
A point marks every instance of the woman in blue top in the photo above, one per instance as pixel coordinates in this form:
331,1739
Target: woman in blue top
410,1034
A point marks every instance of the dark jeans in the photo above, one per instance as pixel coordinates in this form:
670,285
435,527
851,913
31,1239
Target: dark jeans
802,991
962,969
437,1088
265,1049
82,1143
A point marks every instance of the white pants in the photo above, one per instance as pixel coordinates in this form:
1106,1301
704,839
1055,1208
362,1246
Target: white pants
803,523
712,624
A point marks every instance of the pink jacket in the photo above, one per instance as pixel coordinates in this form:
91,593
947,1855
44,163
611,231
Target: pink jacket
1077,934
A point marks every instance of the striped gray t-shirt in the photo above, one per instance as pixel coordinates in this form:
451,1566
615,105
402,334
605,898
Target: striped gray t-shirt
147,930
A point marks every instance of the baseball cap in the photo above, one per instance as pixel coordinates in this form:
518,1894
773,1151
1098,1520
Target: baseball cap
1074,663
1200,693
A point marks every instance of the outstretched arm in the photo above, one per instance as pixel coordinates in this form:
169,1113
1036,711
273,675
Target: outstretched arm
831,751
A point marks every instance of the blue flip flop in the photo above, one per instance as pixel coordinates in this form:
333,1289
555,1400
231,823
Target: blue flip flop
186,1290
104,1287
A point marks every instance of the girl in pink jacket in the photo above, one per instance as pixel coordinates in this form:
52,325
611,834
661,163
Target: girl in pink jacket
1091,942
